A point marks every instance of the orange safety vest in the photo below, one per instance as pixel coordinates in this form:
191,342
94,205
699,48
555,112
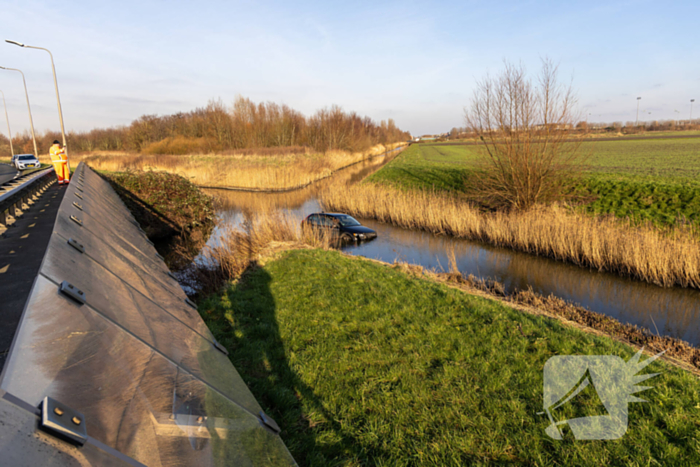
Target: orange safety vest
57,154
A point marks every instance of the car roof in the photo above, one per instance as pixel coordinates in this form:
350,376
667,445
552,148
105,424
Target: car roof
332,214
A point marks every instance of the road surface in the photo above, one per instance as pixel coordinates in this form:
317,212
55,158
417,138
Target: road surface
22,249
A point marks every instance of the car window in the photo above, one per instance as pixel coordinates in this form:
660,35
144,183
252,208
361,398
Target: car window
327,221
313,219
347,221
26,158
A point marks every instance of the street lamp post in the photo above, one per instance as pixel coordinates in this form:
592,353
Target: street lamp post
58,98
8,122
691,110
31,122
637,121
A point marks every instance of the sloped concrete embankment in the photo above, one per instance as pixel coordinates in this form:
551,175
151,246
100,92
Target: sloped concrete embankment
108,333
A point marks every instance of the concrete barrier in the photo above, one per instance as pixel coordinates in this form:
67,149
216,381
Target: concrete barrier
109,334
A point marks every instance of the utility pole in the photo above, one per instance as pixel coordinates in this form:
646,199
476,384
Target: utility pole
58,99
636,122
691,110
8,123
31,122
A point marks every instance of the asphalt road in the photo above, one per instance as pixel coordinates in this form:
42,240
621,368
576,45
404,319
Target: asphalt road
7,173
22,249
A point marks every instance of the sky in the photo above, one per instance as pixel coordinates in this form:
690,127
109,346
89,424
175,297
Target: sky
415,62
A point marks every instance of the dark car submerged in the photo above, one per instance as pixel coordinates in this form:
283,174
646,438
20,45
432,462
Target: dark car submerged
347,227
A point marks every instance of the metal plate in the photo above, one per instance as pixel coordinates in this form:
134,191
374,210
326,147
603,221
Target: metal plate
21,444
63,421
90,196
108,293
119,228
129,260
166,332
134,400
105,236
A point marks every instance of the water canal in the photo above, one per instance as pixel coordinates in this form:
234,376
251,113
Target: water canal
670,311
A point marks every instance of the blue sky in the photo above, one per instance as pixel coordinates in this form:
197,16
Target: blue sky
415,62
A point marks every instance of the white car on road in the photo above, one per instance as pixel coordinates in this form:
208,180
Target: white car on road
25,161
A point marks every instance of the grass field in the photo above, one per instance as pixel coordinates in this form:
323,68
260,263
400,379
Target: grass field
362,364
655,180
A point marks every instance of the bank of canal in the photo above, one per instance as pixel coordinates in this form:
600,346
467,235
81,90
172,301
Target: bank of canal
673,312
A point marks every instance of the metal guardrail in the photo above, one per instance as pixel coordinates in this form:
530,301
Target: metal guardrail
113,362
19,191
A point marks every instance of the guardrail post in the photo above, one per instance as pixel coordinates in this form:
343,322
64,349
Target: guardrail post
3,217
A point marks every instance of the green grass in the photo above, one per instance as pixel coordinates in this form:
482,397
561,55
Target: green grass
655,180
361,364
670,158
643,198
426,166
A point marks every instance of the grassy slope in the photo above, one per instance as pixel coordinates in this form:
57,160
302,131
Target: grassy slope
425,166
361,364
647,180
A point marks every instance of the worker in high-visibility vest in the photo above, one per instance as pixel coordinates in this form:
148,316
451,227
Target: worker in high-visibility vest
60,163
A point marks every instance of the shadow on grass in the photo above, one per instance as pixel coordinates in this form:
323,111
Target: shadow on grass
250,330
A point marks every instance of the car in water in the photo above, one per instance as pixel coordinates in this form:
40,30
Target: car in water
347,227
25,161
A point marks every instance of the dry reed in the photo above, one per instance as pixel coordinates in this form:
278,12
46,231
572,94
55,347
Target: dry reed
254,202
249,171
663,257
237,249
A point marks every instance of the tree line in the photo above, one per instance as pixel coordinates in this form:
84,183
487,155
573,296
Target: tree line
216,128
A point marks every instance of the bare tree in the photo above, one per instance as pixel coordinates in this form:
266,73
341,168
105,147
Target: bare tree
525,130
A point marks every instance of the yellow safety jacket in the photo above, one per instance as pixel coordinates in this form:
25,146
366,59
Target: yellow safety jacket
57,154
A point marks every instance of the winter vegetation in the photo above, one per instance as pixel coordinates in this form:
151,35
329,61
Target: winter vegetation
217,128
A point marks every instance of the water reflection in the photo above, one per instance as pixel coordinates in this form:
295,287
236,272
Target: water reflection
674,312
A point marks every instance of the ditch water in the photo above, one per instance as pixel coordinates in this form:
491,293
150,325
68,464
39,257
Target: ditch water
669,311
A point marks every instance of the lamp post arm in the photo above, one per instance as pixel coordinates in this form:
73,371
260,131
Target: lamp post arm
58,99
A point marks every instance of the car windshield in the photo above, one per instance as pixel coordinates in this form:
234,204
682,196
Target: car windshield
347,221
26,158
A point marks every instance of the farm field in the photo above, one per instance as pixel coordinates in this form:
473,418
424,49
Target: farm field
655,180
363,364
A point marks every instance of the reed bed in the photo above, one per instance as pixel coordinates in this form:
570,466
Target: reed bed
254,202
281,171
237,249
669,257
